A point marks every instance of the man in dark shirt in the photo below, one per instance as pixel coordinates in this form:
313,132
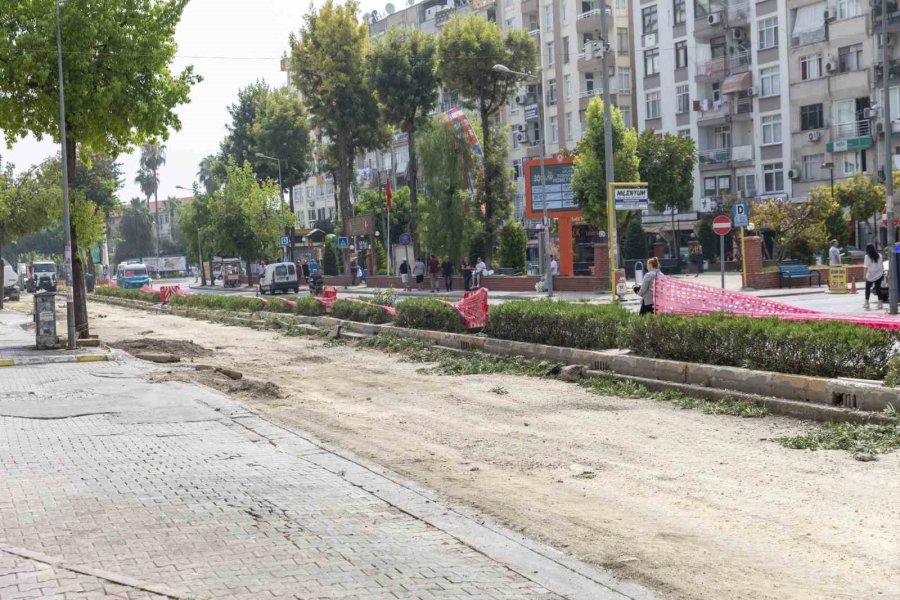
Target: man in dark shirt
433,269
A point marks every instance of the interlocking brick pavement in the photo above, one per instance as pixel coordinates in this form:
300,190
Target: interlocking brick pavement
188,493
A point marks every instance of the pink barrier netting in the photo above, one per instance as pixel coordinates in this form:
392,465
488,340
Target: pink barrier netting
473,308
679,297
388,309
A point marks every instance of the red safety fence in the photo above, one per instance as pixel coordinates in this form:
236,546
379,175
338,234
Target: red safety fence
473,308
679,297
328,297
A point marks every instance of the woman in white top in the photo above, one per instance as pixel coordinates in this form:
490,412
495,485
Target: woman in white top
874,266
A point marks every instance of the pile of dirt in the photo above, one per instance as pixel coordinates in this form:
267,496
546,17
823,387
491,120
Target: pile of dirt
180,348
249,388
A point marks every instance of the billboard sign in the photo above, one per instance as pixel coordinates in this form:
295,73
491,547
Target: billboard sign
556,191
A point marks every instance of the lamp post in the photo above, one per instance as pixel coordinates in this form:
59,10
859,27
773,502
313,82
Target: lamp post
67,222
193,192
545,221
888,162
830,166
284,227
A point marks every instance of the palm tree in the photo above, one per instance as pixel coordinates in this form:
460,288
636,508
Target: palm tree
153,156
209,172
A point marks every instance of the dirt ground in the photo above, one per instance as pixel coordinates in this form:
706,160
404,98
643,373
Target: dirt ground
692,505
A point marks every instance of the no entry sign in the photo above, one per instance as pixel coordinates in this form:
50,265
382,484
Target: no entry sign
721,225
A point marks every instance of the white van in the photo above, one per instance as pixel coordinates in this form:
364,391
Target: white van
279,276
10,282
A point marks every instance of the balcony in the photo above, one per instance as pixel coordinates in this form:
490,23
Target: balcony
718,158
588,22
738,13
893,71
535,33
711,113
585,97
742,107
853,130
711,24
529,7
893,17
589,65
711,70
739,62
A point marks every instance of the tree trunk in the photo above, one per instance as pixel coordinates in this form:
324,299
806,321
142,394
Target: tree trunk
413,192
486,192
2,270
674,236
345,164
82,328
156,216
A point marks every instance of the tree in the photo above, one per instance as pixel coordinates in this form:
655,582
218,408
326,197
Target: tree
281,130
635,245
798,228
708,239
121,91
237,145
196,226
330,256
136,233
513,246
467,51
501,189
863,197
374,202
211,173
402,71
328,67
153,156
667,166
589,177
326,226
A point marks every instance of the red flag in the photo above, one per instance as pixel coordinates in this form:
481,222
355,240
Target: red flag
390,196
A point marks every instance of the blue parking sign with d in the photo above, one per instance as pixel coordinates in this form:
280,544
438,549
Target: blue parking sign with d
741,218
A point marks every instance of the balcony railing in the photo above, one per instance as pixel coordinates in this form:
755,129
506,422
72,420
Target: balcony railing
810,37
740,62
597,92
856,129
714,156
589,13
741,153
743,106
535,33
711,68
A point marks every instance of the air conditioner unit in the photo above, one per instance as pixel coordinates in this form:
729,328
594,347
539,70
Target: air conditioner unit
869,113
648,40
831,66
714,19
830,14
879,37
752,91
738,34
531,89
794,174
521,138
521,128
814,136
521,99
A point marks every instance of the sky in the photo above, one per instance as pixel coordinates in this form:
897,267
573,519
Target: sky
231,45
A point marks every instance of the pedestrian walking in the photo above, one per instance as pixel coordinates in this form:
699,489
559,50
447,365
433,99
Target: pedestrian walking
404,275
645,291
696,252
434,268
313,266
554,266
305,272
447,272
467,275
834,254
419,272
353,271
480,268
874,267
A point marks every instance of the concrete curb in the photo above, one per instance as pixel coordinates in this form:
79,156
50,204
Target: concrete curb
53,360
799,396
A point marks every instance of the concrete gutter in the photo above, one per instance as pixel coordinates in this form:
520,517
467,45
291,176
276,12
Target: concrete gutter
799,396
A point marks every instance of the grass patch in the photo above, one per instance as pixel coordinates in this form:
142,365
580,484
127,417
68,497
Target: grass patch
628,389
127,294
853,437
442,361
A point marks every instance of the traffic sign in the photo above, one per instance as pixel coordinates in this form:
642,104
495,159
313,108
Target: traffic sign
741,215
362,245
343,243
631,198
405,239
285,241
721,225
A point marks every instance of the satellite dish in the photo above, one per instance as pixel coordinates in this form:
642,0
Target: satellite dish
389,9
410,2
366,16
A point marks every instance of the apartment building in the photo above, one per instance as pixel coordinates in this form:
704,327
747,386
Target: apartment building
569,75
313,201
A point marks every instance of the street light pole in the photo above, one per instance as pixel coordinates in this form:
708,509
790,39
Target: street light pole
888,164
193,192
544,248
284,227
608,148
67,222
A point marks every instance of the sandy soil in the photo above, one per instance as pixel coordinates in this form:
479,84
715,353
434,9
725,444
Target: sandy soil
693,505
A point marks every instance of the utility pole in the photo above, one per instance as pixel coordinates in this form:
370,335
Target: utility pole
284,228
608,145
67,222
888,163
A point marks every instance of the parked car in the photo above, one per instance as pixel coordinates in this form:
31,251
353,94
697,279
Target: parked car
43,276
279,276
10,282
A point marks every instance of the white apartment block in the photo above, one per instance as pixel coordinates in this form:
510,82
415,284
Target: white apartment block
777,94
313,201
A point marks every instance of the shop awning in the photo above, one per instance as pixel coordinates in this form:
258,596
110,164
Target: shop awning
737,83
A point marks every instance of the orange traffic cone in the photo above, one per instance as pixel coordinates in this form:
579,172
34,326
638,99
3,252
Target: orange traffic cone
853,285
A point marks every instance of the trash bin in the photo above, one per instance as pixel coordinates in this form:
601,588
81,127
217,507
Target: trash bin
638,272
45,320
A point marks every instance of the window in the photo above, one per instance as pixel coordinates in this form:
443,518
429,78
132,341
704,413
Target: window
680,12
563,13
329,189
565,50
648,18
551,92
589,83
554,130
854,162
812,167
320,190
581,115
622,44
716,186
551,56
685,133
768,33
626,116
811,117
309,191
722,136
683,99
771,129
746,185
548,17
680,54
651,62
770,81
850,58
625,79
311,216
773,177
567,86
652,105
621,5
849,8
811,67
895,100
322,214
570,135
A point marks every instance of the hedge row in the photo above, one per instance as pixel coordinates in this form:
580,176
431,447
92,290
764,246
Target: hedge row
428,313
219,302
127,293
351,310
572,325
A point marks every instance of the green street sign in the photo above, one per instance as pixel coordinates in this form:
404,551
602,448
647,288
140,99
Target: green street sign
860,143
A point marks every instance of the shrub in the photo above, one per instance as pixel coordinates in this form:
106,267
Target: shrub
219,302
385,297
513,245
127,294
825,349
279,305
558,323
308,306
352,310
428,313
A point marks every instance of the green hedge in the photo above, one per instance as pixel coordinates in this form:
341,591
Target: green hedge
278,305
573,325
824,349
128,294
428,313
358,311
220,302
308,306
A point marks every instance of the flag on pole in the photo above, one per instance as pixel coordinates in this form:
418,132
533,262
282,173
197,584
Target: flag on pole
390,196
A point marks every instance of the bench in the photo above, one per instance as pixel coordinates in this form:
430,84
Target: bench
794,269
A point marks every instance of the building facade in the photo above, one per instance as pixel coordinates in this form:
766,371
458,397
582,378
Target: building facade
313,201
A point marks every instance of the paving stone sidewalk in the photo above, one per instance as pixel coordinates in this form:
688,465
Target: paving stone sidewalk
172,490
